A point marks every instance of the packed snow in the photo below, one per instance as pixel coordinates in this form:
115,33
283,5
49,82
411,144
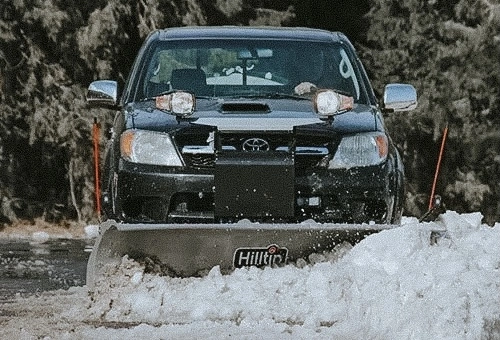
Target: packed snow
395,284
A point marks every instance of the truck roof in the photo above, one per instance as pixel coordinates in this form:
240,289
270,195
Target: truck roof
249,32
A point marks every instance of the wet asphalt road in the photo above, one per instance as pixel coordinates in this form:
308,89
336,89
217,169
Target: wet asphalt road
27,268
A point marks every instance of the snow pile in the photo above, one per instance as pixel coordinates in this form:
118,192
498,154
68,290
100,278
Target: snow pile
392,285
91,231
40,237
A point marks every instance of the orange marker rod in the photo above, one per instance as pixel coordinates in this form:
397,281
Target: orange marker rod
97,186
438,166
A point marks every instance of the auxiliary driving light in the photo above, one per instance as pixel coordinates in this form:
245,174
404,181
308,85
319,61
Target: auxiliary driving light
329,102
180,103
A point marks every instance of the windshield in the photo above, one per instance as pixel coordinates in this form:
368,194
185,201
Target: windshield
230,68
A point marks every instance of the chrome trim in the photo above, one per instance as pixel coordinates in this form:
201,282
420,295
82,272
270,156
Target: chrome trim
203,149
307,150
400,97
299,150
255,123
255,144
197,149
103,92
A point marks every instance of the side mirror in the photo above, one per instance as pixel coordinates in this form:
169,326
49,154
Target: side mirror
103,93
400,97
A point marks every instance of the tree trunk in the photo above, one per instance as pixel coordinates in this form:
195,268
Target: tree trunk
72,191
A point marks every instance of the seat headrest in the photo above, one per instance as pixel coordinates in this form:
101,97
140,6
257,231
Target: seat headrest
189,79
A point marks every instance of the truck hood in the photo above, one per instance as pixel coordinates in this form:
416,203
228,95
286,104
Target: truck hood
252,115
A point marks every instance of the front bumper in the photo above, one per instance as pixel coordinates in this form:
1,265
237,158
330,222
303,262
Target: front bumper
265,191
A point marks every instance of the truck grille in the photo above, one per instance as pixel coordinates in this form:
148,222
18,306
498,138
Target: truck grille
198,152
201,161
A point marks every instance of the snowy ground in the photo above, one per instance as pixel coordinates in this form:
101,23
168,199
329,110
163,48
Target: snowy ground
392,285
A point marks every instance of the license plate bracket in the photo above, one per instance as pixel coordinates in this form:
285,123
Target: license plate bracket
254,184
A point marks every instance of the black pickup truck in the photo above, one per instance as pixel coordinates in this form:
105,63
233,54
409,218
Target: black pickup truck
220,124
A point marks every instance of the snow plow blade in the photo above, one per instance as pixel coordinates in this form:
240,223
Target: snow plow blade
193,249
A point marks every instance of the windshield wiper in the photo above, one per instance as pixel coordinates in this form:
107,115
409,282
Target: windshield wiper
154,98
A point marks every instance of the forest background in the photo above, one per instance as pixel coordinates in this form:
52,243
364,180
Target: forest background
50,50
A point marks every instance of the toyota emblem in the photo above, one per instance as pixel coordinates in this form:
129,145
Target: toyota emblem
255,144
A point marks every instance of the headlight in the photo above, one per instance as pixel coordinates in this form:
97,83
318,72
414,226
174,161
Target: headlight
329,103
360,150
148,147
179,103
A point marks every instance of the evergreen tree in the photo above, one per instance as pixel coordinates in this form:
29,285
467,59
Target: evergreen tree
449,51
50,50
